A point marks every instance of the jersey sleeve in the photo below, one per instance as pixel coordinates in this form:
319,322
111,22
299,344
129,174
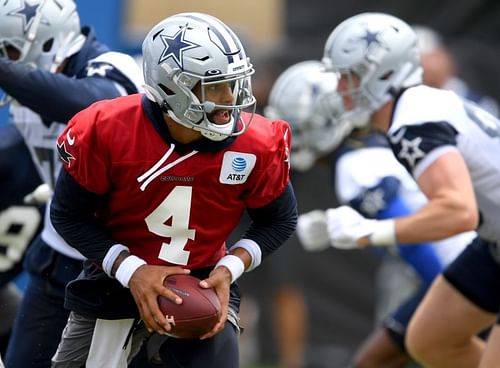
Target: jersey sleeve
82,153
413,144
272,174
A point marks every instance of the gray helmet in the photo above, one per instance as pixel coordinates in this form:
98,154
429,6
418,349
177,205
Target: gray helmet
190,48
44,32
305,96
382,51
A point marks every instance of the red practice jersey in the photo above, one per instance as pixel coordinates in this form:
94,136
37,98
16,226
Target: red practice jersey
170,207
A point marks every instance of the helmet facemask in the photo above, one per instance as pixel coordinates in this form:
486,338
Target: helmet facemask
359,108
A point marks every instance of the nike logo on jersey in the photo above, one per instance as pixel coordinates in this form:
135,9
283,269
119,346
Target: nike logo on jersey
396,138
236,167
70,139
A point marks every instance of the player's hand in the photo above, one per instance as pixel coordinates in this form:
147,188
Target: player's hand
146,284
347,228
40,195
220,280
312,231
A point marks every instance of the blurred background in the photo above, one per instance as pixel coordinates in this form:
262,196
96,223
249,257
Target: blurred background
330,295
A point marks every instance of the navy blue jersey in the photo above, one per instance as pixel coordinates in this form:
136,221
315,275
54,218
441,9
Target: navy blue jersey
19,223
46,101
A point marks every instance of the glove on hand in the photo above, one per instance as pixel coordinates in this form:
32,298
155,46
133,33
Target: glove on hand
346,226
312,231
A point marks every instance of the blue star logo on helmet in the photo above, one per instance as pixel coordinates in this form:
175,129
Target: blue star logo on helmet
27,12
238,164
175,46
370,38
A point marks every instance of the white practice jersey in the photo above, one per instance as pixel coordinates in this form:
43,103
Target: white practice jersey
40,136
429,122
363,173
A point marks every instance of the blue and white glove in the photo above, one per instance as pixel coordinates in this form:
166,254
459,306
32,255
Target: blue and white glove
346,227
312,231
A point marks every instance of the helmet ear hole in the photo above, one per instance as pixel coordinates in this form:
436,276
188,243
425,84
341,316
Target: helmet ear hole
167,91
11,51
387,75
47,45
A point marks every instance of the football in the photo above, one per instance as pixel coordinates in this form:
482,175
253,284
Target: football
199,311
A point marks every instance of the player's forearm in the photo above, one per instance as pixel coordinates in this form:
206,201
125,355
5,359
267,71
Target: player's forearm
273,224
439,219
58,97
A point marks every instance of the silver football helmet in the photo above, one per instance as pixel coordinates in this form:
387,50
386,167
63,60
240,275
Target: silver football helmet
44,32
381,50
194,49
305,96
39,32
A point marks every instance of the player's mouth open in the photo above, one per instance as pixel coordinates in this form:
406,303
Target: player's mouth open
220,116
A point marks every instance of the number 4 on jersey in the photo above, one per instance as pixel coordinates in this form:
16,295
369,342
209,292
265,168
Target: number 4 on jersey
176,207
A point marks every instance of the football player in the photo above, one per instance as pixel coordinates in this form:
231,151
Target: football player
450,147
154,184
50,69
19,222
377,191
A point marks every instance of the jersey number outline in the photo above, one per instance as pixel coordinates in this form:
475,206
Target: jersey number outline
483,119
14,243
175,209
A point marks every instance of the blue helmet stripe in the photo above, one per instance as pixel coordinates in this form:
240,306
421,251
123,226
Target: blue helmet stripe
227,49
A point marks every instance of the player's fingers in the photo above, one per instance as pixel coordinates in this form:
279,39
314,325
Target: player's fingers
219,326
217,277
223,295
175,271
154,318
170,295
165,291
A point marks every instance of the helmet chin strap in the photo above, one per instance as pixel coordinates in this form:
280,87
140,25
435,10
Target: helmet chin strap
215,133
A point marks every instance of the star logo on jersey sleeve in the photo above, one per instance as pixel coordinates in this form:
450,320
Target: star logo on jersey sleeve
27,12
175,46
372,202
98,69
410,150
65,156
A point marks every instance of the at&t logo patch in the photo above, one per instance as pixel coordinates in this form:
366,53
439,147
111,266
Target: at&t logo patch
236,167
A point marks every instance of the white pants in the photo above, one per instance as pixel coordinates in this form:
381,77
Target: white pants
98,343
